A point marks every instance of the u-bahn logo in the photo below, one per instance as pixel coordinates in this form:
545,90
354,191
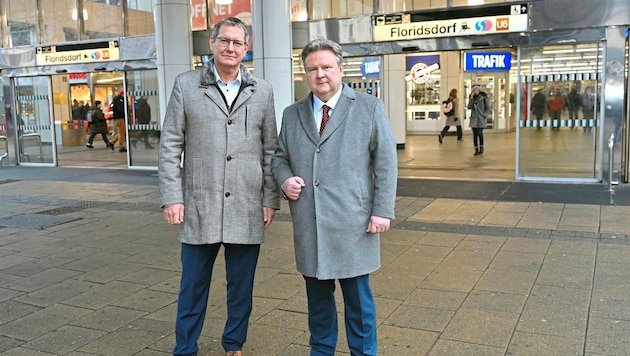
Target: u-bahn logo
483,25
95,55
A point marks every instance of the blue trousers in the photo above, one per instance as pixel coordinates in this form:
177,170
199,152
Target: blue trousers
197,264
359,310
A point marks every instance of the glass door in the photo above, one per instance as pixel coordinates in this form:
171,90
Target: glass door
494,84
35,130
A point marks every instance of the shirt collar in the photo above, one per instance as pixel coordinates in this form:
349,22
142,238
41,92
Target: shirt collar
218,77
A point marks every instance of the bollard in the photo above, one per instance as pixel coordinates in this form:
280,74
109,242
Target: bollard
611,144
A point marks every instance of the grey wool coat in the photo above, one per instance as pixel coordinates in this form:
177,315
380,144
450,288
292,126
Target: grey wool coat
350,173
480,110
226,177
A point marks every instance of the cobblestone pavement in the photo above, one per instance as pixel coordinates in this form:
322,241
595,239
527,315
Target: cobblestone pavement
88,267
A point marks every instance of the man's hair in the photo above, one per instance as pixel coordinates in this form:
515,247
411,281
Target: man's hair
230,21
322,45
97,103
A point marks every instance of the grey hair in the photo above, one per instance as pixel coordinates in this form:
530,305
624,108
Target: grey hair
230,21
321,44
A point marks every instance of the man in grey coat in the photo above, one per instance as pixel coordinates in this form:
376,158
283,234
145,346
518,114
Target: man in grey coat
223,120
336,163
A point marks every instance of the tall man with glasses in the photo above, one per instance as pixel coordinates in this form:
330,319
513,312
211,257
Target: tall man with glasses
223,120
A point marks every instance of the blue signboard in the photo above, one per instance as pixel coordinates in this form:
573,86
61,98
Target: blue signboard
371,66
482,61
427,59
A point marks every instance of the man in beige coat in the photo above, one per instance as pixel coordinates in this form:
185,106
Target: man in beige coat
223,119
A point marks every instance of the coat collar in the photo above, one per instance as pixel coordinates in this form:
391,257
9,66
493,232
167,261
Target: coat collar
208,78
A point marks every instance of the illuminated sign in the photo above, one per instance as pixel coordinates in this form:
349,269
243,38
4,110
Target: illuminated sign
404,27
497,61
421,68
371,66
78,53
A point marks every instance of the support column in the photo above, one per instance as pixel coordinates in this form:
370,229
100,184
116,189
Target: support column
272,49
393,70
173,42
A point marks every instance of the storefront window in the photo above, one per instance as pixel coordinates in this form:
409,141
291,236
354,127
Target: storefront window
22,23
423,91
324,9
102,20
140,18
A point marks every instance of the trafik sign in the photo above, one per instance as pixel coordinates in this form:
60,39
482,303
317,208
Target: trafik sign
482,61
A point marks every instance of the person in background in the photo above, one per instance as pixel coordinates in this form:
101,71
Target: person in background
224,119
143,117
480,111
588,107
119,107
98,126
539,106
337,164
452,119
574,100
556,104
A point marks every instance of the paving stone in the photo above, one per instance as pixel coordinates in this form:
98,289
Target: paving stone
63,340
536,344
12,310
400,341
458,348
56,293
41,280
428,298
109,318
414,317
607,336
520,261
452,279
553,319
495,301
103,295
41,322
129,339
482,327
506,281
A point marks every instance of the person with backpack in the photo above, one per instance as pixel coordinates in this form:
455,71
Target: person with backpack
98,125
118,106
449,108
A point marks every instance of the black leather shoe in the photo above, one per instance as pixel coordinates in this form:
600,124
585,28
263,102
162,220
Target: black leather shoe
122,150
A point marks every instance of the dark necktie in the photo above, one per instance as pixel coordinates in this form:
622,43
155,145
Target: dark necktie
325,118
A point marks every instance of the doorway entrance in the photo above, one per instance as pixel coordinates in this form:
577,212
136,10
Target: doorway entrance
74,94
496,86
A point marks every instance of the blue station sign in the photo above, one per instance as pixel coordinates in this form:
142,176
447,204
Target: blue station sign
371,66
482,61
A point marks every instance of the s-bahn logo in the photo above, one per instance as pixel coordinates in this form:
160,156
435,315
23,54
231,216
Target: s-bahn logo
95,55
483,26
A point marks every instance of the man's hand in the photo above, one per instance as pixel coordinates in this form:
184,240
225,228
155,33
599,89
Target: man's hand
292,187
268,214
378,224
174,214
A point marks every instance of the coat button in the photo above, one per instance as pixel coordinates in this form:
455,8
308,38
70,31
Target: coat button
316,183
318,150
229,122
227,195
229,158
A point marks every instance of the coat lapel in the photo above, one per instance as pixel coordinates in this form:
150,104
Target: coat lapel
340,113
212,92
305,113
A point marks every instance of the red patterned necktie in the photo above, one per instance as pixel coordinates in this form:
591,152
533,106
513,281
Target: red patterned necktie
325,118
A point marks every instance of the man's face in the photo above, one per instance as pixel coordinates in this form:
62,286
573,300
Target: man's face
323,74
228,47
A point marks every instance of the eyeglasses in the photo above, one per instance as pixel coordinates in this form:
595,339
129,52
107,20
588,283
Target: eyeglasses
225,42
